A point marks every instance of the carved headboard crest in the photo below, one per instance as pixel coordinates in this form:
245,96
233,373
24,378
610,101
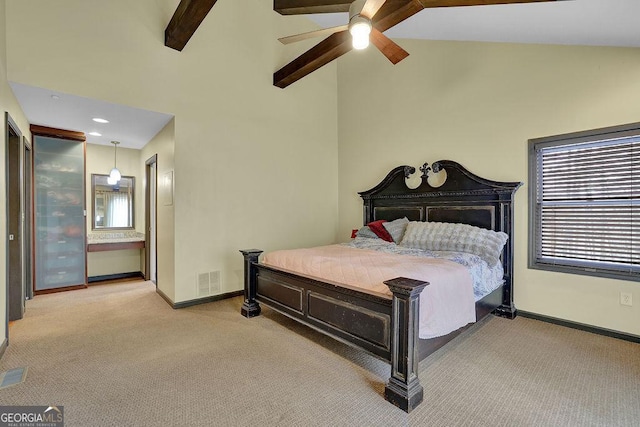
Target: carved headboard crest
458,179
425,170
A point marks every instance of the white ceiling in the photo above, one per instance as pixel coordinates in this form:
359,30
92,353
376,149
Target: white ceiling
567,22
132,127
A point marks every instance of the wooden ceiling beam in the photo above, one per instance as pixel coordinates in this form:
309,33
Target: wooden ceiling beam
303,7
185,21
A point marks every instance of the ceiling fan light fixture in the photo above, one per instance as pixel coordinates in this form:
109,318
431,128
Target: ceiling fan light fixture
360,28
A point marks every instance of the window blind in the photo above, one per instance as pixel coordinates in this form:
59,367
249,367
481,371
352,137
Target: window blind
588,205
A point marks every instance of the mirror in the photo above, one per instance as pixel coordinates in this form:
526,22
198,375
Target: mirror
112,205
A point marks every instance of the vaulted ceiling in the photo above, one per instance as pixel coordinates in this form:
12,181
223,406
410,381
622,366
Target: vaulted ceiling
578,22
591,22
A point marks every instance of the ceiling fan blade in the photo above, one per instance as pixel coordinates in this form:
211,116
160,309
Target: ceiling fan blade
371,7
388,47
395,11
334,46
312,34
455,3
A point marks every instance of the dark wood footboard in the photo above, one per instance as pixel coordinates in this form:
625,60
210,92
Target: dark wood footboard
387,328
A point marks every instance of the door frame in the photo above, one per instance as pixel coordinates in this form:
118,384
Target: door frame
151,164
27,217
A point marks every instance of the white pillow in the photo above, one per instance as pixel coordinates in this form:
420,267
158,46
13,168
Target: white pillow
443,236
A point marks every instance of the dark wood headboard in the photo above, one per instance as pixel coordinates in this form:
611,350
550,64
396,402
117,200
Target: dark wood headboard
463,198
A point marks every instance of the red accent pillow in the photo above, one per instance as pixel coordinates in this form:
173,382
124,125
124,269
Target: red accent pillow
379,230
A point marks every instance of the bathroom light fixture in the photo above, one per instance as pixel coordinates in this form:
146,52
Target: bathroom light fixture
99,120
114,175
360,28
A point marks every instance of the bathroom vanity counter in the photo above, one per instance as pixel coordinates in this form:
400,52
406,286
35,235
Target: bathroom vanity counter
115,241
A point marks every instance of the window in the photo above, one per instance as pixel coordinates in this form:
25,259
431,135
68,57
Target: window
584,203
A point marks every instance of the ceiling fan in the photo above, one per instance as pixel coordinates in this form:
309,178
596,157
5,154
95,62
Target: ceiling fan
368,19
361,12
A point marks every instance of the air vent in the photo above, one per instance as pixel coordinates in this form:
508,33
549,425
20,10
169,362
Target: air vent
214,282
209,283
203,284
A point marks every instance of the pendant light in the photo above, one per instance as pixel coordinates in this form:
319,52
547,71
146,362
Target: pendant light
114,175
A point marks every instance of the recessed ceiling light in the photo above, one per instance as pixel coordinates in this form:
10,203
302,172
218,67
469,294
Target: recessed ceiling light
99,120
95,133
55,97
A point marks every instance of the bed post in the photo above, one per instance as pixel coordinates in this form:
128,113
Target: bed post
250,307
404,389
508,308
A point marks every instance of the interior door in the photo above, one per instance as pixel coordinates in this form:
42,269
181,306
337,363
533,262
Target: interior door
15,267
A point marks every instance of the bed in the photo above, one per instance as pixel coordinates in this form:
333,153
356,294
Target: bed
388,326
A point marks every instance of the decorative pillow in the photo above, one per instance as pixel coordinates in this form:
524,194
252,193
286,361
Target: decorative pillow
396,228
442,236
381,232
366,232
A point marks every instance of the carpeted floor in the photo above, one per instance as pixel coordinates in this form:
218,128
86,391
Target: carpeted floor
118,355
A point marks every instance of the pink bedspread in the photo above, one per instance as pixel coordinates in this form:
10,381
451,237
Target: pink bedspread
446,304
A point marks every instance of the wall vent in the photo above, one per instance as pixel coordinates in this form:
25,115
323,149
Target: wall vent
209,283
214,282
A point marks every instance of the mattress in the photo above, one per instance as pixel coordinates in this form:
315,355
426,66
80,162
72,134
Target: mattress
447,304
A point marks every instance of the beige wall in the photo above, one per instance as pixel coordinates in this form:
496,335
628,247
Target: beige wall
478,104
8,103
114,262
100,161
254,165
